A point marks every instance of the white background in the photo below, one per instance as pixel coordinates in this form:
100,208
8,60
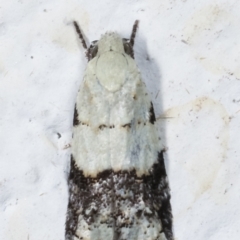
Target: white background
188,54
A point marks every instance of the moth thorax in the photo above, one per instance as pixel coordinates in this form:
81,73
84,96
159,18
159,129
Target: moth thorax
110,42
111,70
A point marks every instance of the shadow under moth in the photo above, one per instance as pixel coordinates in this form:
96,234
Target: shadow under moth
118,187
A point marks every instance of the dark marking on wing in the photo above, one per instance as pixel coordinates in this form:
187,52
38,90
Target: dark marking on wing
75,117
158,177
74,180
102,126
152,117
104,174
165,211
127,125
104,192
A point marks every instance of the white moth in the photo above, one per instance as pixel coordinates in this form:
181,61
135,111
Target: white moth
117,183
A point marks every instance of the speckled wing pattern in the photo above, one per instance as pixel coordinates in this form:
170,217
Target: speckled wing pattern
118,187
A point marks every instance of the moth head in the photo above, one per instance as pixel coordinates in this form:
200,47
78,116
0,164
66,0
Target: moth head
110,41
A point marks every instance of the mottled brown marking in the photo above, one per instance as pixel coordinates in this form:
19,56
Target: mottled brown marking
102,126
153,190
127,125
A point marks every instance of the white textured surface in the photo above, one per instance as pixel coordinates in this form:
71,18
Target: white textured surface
188,54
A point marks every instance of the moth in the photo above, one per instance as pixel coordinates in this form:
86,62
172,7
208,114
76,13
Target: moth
118,187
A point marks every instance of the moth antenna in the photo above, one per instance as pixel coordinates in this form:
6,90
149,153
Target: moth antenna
134,31
80,34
